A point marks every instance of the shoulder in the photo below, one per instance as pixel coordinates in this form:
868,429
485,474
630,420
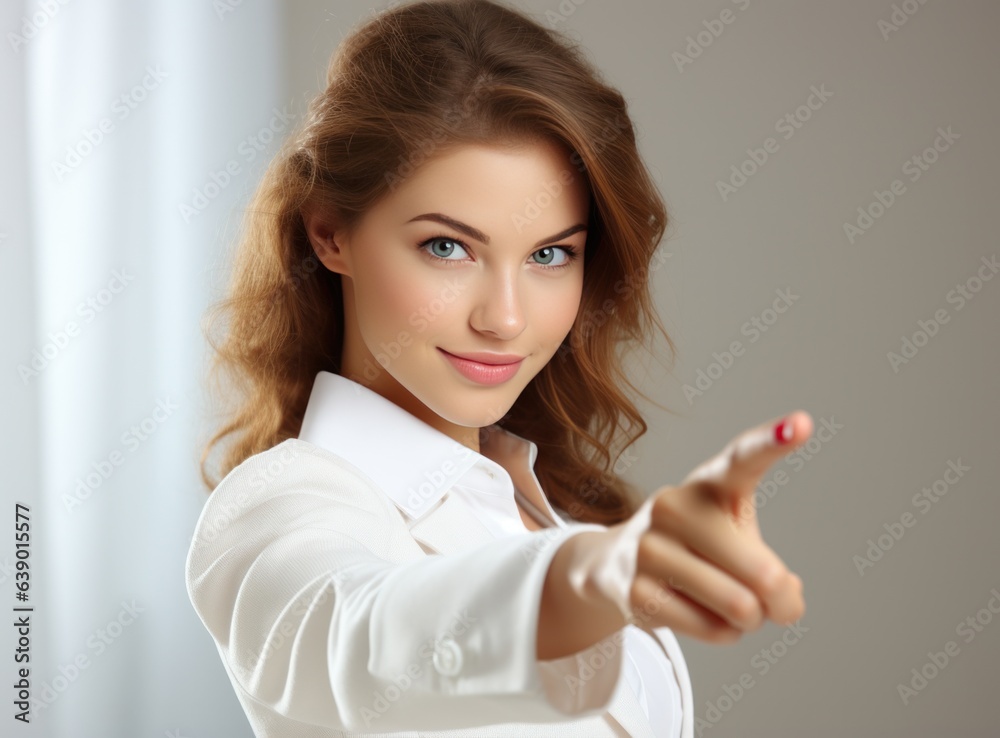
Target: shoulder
295,472
293,461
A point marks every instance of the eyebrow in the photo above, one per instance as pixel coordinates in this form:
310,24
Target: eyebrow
482,237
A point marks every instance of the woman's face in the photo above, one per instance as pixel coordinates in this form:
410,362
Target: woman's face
470,253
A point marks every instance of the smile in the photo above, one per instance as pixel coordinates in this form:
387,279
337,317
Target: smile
480,372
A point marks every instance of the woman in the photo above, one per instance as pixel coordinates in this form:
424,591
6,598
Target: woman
419,530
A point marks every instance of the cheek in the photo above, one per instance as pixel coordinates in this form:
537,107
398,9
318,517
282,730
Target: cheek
391,295
557,308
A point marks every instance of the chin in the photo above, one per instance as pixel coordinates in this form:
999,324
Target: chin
475,413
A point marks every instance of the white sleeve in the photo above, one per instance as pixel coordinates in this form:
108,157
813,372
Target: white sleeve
327,611
606,569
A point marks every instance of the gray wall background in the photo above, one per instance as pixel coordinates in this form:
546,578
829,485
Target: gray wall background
897,428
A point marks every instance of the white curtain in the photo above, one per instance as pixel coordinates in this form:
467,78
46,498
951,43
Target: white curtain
128,132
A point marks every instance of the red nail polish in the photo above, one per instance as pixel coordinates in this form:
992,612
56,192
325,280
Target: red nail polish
783,431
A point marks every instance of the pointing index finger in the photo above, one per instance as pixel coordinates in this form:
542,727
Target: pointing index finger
746,457
752,453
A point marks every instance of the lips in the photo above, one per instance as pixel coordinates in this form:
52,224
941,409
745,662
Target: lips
483,357
479,371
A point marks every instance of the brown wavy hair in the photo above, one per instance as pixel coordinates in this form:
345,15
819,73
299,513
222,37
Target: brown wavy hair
410,83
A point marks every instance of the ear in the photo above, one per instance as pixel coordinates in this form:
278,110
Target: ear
327,241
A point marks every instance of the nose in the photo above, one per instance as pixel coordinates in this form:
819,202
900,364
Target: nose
498,310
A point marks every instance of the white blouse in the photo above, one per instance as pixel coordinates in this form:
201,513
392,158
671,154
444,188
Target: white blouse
359,426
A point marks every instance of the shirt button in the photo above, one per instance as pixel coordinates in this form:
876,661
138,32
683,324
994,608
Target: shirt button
448,657
490,473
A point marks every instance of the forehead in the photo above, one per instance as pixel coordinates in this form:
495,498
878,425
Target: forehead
537,180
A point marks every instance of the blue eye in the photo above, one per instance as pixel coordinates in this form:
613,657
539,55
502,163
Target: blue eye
571,253
445,240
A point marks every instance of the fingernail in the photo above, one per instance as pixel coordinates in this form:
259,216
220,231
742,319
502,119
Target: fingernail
783,431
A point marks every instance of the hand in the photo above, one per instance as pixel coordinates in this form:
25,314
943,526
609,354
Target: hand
704,547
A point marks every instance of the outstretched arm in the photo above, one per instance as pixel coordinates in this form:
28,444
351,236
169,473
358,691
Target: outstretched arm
326,610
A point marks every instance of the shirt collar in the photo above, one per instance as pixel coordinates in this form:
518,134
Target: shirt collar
414,463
